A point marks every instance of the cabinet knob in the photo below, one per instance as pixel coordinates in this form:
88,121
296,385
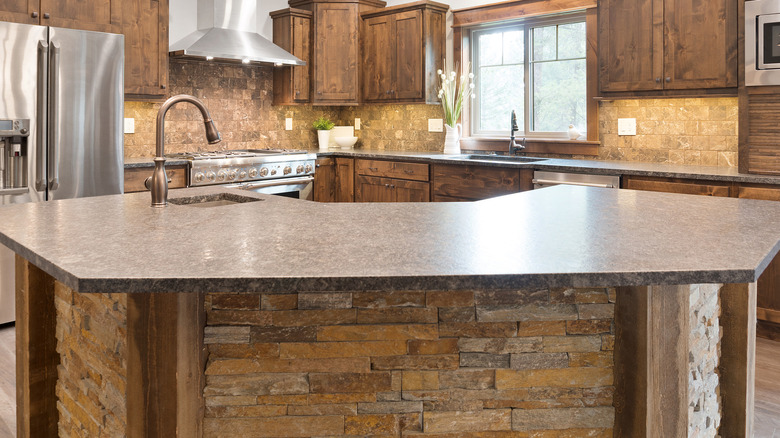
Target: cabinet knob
34,14
46,15
320,93
657,80
668,79
163,86
297,93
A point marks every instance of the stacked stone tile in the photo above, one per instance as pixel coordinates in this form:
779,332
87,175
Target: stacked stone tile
91,342
704,344
440,364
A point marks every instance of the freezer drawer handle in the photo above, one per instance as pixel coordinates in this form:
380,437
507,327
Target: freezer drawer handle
42,122
571,183
54,89
17,191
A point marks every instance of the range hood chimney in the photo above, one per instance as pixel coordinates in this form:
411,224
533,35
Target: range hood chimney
227,31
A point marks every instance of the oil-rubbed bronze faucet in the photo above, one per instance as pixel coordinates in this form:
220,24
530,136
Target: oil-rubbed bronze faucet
159,181
514,148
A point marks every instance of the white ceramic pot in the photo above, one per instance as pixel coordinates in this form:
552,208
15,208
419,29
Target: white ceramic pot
323,137
452,139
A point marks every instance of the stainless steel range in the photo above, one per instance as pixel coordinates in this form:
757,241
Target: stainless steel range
273,171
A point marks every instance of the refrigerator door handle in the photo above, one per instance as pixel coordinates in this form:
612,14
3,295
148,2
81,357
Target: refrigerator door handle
54,89
42,122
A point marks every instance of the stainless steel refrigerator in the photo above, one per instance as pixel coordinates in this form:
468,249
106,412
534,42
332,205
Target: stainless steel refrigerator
61,114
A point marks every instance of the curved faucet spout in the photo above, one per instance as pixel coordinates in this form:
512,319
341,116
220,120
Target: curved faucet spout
159,181
514,148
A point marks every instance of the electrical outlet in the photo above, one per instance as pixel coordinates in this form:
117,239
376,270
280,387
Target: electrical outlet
435,125
357,124
288,124
626,126
129,125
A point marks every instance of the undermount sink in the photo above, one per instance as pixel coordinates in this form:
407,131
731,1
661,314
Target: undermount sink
503,158
213,200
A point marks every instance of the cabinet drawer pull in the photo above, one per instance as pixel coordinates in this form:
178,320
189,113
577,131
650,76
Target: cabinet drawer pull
387,185
392,186
34,14
409,171
373,169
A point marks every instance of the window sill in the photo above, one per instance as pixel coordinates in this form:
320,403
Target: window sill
533,145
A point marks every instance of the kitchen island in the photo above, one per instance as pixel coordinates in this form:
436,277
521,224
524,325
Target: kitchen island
567,310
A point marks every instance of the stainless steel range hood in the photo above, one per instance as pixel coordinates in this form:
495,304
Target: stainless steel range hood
227,31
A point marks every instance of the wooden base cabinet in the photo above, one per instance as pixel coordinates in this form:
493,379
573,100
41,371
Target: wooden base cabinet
649,45
403,47
135,178
472,183
391,181
334,180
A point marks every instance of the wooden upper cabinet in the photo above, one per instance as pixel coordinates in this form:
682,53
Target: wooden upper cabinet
292,32
145,26
96,15
20,11
335,73
403,46
647,45
700,47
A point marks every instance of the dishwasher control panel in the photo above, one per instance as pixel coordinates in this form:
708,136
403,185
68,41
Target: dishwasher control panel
547,179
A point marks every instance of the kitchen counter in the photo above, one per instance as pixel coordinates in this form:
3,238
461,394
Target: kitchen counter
542,312
559,236
601,167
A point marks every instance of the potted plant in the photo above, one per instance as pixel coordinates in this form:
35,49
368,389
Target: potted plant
454,93
323,127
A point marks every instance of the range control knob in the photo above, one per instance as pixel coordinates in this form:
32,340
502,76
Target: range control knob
299,169
242,175
273,172
264,171
308,168
253,173
211,176
232,175
287,170
221,175
199,177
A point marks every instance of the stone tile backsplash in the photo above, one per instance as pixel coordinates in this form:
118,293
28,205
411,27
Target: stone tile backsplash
701,131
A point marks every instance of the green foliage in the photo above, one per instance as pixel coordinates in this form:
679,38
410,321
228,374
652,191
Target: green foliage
323,124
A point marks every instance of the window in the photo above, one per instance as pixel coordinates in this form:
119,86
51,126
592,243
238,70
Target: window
551,54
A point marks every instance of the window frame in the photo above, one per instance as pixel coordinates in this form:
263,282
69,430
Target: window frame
526,25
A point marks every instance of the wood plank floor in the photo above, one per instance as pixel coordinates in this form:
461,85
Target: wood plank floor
767,424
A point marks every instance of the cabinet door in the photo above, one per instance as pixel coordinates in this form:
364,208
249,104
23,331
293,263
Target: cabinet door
145,26
324,189
471,183
631,45
379,58
336,53
677,185
301,48
95,15
409,68
410,191
373,189
345,180
700,44
20,11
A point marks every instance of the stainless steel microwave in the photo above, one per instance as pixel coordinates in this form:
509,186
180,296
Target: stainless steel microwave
762,42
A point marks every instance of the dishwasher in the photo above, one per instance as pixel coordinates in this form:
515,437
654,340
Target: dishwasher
546,179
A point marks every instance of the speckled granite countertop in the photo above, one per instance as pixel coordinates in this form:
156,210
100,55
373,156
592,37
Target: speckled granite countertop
711,173
558,236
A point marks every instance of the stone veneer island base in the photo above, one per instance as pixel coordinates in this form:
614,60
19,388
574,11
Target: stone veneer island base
566,311
541,362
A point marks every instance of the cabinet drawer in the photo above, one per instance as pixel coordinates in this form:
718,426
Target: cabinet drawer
392,169
452,182
135,177
676,185
767,193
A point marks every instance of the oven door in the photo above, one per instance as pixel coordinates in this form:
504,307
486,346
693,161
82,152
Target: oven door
299,187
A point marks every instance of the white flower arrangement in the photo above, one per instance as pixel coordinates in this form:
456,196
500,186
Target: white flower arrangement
454,93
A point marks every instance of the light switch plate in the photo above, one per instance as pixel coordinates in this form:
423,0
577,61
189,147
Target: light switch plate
288,124
626,126
435,125
357,124
129,125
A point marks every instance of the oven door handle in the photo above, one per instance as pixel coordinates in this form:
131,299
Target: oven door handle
272,183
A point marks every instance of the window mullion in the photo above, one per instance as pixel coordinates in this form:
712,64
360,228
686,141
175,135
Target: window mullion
527,69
